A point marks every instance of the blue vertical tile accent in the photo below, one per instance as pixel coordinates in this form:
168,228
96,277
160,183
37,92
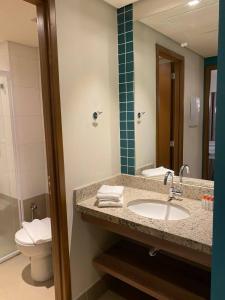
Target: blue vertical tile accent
126,88
218,261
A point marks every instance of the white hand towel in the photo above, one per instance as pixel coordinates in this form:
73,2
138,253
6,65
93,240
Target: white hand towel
38,230
110,203
113,191
161,171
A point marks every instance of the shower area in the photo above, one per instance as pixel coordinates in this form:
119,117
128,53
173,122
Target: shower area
23,171
10,211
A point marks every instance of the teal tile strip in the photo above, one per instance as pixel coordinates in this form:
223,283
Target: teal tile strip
126,89
210,61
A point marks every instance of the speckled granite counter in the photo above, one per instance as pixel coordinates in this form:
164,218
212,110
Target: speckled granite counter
194,232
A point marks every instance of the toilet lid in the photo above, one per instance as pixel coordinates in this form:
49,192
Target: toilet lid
38,230
22,238
35,232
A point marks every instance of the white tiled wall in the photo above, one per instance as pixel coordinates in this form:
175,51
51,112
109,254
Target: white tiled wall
33,107
27,121
7,160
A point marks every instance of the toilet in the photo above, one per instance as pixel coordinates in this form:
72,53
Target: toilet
34,241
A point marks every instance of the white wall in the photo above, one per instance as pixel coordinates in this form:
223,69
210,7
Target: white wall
145,40
88,68
4,56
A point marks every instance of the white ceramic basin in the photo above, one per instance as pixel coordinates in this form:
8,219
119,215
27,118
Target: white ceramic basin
160,210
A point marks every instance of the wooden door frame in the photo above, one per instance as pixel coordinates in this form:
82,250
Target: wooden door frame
179,60
46,21
205,148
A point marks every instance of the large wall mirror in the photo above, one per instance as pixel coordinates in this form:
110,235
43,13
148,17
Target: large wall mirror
175,64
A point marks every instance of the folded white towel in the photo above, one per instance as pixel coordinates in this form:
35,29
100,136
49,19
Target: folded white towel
161,171
108,197
104,199
106,203
111,192
39,230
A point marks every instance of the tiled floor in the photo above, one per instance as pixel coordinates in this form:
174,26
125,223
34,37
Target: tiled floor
16,283
111,296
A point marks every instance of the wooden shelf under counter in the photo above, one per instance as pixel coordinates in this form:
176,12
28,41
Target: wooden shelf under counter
180,251
161,277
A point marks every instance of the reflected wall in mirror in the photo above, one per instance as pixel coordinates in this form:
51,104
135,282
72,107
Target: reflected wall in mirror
175,49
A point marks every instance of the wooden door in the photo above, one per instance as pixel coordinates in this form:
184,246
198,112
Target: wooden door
208,154
170,108
165,114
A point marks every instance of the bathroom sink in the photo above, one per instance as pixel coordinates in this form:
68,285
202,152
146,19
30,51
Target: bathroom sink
160,210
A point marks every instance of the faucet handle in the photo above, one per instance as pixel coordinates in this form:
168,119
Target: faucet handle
175,193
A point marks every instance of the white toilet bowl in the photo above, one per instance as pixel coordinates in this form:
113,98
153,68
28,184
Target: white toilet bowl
40,255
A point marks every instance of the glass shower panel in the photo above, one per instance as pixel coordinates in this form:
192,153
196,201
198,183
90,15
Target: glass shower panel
9,208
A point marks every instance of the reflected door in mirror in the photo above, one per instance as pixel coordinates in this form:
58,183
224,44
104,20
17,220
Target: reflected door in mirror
209,122
165,132
169,82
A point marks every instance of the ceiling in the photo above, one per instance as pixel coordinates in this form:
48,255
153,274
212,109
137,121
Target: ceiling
120,3
16,24
197,26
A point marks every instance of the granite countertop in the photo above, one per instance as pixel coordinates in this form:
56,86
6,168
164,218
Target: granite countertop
194,232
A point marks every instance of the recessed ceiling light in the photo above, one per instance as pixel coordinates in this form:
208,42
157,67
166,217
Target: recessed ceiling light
193,2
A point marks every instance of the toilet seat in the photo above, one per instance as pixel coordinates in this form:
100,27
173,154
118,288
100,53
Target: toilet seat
22,238
40,253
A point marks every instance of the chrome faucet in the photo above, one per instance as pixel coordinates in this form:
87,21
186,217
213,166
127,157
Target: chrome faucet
181,173
174,193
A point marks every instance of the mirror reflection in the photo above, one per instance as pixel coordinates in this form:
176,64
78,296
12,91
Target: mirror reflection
175,62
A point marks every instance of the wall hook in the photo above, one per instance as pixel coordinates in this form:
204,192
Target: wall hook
140,114
96,114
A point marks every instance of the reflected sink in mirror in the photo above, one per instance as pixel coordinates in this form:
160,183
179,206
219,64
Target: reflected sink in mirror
159,210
